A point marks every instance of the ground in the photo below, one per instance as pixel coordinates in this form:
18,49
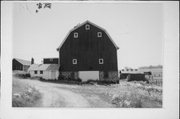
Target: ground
45,94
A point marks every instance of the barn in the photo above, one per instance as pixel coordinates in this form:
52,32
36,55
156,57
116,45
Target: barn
20,64
45,71
88,52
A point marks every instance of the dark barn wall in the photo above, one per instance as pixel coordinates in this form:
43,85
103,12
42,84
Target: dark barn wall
88,49
50,61
16,65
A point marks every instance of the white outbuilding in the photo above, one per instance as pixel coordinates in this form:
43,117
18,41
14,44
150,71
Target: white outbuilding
45,71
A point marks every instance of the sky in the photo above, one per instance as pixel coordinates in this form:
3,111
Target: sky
136,28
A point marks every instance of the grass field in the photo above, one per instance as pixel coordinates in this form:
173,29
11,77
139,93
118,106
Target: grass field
125,94
137,94
24,95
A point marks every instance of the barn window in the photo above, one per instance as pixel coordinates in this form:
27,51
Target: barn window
35,72
101,61
41,72
99,34
87,27
75,35
74,61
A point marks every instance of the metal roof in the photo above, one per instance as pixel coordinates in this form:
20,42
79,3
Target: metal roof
24,62
33,67
44,67
53,67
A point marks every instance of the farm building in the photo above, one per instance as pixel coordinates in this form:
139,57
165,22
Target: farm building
45,71
50,61
88,52
21,65
156,71
132,74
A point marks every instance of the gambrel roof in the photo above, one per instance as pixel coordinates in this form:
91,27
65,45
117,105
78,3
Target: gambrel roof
87,22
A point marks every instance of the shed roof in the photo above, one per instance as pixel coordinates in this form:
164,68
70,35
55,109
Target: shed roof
53,67
33,67
24,62
44,67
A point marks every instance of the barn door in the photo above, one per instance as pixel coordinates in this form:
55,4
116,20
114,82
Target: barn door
88,75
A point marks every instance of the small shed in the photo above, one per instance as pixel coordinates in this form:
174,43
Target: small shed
45,71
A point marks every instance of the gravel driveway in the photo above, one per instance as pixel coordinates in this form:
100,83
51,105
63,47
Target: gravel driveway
63,95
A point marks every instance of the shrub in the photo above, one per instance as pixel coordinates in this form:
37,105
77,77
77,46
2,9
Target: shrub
27,98
22,75
127,100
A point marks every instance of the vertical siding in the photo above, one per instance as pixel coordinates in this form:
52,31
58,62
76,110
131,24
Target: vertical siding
16,65
87,49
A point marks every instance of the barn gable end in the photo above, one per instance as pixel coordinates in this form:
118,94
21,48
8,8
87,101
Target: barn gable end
80,25
88,47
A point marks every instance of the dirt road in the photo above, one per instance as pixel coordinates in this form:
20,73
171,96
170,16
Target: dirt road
62,95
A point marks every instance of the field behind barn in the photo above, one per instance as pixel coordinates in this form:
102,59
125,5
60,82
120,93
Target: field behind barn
35,93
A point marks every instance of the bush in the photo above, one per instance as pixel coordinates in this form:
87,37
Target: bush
106,82
27,98
127,101
22,75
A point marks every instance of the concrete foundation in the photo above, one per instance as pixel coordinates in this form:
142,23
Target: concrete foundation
102,76
111,76
66,74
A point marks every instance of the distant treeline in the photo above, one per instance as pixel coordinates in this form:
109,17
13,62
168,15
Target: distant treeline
148,67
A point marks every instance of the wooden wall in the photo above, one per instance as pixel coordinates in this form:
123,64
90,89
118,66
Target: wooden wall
16,65
88,49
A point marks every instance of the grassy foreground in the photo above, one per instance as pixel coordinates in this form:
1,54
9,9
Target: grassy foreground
24,95
124,95
137,95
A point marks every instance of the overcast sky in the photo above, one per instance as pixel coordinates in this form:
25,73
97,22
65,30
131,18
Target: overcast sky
137,28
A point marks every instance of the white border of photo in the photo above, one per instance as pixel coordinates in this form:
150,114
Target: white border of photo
170,108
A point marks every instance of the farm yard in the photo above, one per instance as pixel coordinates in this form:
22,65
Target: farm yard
35,93
85,75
